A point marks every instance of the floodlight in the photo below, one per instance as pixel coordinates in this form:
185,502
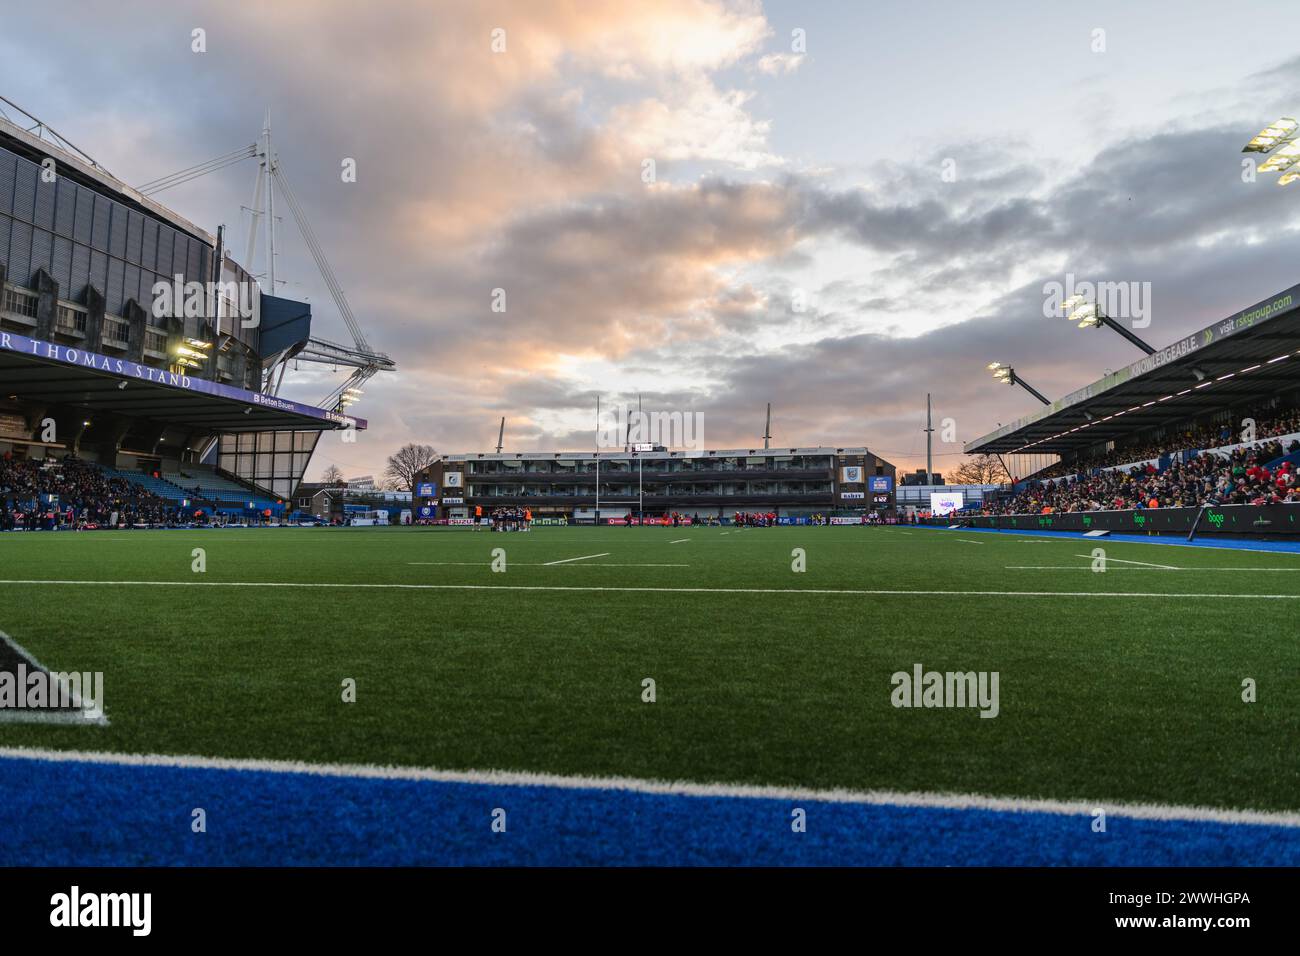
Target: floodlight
1271,135
1288,177
1085,315
1072,303
1282,159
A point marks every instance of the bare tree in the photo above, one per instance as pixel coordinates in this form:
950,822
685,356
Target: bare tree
403,466
333,476
980,470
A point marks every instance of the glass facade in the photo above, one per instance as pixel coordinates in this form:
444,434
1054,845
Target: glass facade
81,237
274,461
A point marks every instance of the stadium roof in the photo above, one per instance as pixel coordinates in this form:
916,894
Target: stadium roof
1249,356
35,371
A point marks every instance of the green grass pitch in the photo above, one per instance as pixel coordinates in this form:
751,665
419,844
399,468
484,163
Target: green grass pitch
1103,696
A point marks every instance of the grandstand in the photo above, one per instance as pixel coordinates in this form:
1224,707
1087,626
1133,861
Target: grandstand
133,346
1209,425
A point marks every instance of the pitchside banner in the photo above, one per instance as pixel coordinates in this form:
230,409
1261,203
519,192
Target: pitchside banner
124,368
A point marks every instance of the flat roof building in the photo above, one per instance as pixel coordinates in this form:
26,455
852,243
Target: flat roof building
788,481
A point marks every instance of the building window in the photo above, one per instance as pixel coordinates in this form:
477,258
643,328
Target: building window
155,341
20,303
70,320
117,330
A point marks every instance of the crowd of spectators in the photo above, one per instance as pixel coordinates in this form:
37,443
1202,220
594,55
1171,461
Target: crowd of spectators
82,497
1284,422
1241,477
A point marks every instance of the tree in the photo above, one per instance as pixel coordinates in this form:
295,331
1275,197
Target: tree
333,475
409,460
980,470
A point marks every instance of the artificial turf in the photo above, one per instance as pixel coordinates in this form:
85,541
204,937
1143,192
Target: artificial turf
1108,698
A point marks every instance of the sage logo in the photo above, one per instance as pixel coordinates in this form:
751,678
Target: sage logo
74,908
1215,519
922,688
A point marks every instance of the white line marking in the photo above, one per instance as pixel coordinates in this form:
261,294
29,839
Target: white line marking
507,778
1075,567
679,540
26,716
724,534
970,541
585,557
1167,567
864,592
530,564
1067,537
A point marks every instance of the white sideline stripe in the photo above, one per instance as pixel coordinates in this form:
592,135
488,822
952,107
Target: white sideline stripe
1066,537
26,716
724,534
585,557
970,540
533,564
654,590
1167,567
510,778
1075,567
679,540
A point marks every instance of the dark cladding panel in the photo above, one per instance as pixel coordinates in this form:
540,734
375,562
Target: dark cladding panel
117,232
46,193
166,237
42,250
65,208
20,254
5,222
113,296
149,247
180,255
131,286
25,191
99,229
62,266
8,173
99,270
147,279
80,271
85,215
134,236
194,263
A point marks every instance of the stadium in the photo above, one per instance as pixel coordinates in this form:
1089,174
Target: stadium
589,649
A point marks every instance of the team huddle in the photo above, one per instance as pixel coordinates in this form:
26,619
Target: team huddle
512,519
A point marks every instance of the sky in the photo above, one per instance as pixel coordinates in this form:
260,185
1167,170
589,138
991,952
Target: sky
704,205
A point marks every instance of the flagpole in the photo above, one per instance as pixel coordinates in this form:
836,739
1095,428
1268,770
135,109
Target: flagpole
598,461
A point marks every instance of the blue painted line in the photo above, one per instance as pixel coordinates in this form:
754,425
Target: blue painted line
1169,541
105,815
